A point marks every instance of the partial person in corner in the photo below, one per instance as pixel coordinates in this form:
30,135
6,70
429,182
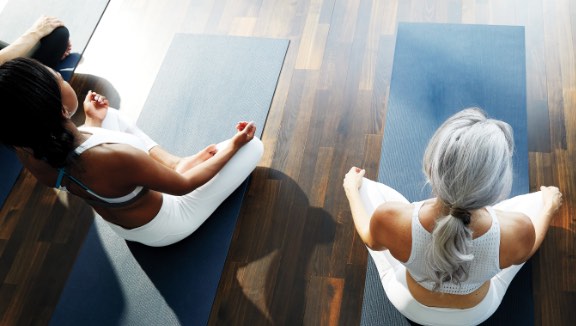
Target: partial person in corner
449,260
145,194
47,41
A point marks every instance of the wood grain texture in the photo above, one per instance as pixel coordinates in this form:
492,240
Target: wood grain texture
295,257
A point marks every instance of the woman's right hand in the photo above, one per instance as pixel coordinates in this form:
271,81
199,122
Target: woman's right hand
353,179
552,198
45,25
95,108
245,133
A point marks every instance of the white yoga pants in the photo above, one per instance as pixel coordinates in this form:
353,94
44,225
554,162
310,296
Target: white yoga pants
180,216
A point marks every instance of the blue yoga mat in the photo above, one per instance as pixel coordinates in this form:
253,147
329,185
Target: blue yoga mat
438,70
205,85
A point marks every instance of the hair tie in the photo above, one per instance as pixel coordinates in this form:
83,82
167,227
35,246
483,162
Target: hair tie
461,214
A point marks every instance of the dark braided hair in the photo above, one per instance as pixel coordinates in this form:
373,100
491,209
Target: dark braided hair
31,106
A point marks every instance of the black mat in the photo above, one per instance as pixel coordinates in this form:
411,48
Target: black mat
438,70
81,19
205,85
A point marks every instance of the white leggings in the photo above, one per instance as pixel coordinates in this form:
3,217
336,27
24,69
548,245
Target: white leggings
393,273
180,216
114,120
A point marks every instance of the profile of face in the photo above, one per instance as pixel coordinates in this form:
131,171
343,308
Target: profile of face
68,95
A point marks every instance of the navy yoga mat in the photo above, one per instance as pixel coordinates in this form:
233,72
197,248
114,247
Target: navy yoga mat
205,85
81,19
438,70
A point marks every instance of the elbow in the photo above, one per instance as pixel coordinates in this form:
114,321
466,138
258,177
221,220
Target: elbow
376,234
188,188
183,187
376,246
371,242
181,193
528,243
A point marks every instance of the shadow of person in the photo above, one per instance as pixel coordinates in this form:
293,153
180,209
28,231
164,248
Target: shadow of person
284,235
554,266
186,274
76,282
93,293
287,254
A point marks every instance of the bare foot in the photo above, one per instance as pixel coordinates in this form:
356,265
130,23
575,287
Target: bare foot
191,161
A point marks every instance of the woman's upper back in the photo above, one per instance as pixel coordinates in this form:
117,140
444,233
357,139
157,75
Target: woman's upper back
485,248
98,137
105,168
392,225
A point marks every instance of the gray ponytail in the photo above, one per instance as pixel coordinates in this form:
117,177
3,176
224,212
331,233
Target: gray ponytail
468,163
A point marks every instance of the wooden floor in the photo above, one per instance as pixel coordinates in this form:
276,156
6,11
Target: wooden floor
295,257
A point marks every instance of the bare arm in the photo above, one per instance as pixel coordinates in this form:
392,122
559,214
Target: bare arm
96,109
352,184
27,42
552,201
139,168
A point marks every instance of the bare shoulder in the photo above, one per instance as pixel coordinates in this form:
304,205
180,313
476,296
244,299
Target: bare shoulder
120,154
517,236
119,162
514,222
391,226
393,208
392,213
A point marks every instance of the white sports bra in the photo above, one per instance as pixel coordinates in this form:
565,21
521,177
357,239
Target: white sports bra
485,248
104,136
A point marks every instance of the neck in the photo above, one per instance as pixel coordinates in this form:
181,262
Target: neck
79,137
439,207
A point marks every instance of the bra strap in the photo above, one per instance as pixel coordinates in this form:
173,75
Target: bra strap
61,173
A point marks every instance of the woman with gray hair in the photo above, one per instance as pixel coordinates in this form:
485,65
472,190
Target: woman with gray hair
449,260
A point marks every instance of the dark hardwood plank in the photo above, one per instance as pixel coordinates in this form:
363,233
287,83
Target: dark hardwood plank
48,229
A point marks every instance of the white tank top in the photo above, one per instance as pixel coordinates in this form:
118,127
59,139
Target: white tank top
103,136
486,251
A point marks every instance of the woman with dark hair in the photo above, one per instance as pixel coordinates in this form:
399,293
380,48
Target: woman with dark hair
449,260
144,193
47,41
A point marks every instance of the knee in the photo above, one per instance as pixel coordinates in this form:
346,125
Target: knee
257,146
57,39
61,33
251,153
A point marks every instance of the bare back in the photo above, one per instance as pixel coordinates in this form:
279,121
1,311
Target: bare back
90,167
395,220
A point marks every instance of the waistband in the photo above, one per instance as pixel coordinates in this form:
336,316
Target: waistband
397,291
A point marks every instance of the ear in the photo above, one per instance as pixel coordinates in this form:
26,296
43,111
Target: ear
65,113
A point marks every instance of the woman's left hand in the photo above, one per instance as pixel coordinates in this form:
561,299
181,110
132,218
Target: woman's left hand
353,179
245,133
